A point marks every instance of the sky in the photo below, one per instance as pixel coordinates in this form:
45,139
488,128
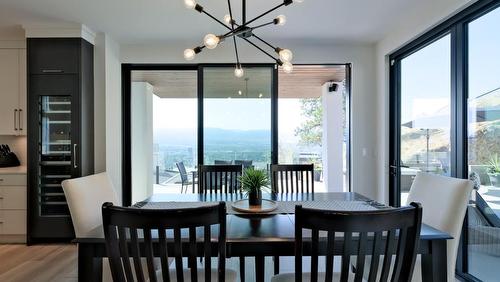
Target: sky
426,83
239,114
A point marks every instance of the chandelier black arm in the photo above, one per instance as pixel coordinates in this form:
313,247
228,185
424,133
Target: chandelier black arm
262,25
265,42
232,29
262,50
215,19
285,3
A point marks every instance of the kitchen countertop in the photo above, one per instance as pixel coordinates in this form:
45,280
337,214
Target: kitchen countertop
13,170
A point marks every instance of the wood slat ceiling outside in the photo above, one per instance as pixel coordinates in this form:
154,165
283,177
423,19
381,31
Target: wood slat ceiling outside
303,82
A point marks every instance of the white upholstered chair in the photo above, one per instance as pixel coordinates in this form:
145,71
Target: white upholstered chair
444,201
85,196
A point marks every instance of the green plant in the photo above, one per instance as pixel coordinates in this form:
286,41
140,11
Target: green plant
494,164
254,180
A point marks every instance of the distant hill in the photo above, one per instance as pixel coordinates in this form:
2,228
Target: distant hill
187,137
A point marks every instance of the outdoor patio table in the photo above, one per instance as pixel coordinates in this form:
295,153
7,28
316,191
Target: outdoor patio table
271,235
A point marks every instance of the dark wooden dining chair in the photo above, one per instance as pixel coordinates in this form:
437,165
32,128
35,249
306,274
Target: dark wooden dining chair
391,233
245,163
292,178
215,179
125,229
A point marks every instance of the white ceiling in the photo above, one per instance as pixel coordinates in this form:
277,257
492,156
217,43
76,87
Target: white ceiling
139,21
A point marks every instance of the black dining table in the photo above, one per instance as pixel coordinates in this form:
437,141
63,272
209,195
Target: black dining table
266,235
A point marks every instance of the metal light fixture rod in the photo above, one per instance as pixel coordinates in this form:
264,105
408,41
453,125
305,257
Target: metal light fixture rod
244,31
214,18
232,29
262,25
265,42
262,50
265,13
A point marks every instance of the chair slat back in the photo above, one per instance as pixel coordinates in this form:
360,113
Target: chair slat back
182,171
219,179
292,178
393,234
132,233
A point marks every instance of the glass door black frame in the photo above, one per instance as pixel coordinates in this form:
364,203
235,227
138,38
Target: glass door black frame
127,70
456,26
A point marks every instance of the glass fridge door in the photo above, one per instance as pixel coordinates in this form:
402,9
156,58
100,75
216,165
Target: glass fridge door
55,158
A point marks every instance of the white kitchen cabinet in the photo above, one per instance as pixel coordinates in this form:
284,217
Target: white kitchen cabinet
13,207
13,91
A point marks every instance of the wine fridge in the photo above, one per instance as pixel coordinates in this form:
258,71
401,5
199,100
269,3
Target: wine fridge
60,131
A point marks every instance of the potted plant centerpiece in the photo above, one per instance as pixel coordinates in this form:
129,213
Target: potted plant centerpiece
494,171
253,181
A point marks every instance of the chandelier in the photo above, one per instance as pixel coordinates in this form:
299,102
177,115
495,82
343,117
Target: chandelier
244,31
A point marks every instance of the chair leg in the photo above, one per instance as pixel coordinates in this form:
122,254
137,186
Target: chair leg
242,269
276,260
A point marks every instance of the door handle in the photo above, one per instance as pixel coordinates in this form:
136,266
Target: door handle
74,156
20,119
15,117
52,71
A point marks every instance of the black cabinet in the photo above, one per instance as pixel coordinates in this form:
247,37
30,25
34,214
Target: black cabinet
60,130
54,55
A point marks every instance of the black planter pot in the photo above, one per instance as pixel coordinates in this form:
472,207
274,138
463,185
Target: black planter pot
255,198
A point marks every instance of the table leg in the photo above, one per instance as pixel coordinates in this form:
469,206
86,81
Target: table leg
259,268
89,266
434,265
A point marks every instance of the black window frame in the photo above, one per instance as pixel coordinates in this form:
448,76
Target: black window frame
128,68
456,26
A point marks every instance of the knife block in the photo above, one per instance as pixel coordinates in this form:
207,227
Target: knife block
9,160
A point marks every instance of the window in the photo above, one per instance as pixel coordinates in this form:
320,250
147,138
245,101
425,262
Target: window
483,115
237,116
313,123
425,112
445,119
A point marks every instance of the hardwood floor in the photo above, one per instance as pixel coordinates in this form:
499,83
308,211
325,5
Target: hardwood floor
58,263
54,263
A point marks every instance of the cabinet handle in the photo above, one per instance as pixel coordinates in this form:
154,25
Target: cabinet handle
52,71
15,117
20,120
74,156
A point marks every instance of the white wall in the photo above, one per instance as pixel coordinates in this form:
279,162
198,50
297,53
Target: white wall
363,96
113,139
413,26
100,103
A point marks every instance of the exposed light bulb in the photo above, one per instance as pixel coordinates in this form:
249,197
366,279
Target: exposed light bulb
280,20
189,54
211,41
285,55
190,4
227,19
238,72
239,91
260,95
287,67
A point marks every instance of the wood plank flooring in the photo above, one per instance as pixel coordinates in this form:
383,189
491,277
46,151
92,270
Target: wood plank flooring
58,263
54,263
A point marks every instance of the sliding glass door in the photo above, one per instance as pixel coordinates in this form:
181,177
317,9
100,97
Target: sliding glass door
425,117
483,139
445,119
237,116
